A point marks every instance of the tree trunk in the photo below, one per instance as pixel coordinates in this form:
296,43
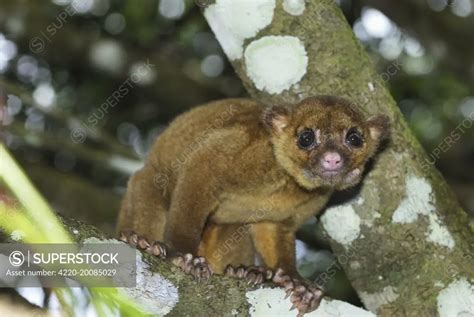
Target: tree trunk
403,240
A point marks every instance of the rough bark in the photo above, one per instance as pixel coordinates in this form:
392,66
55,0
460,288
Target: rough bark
220,296
398,266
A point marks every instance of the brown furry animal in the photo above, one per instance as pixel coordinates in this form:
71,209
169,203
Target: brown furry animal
232,179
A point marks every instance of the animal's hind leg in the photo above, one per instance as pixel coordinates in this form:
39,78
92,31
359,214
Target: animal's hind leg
143,218
144,207
230,251
224,245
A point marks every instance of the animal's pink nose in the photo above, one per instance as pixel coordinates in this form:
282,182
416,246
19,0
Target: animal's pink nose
331,161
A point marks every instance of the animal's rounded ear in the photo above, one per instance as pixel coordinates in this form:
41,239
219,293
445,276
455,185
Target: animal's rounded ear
379,127
276,118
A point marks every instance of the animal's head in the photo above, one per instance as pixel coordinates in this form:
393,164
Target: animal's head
324,141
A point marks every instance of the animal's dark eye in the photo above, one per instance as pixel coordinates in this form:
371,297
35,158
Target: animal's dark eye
306,139
353,138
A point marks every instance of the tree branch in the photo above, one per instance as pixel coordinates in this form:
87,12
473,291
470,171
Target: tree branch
221,296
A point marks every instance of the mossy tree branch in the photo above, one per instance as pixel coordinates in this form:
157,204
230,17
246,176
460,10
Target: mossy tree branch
220,296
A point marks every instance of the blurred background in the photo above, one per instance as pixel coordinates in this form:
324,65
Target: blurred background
87,85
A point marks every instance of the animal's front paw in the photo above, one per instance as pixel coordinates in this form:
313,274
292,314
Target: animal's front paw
197,266
155,248
304,296
253,274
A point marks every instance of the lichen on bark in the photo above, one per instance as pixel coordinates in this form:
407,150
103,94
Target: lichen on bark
395,256
220,296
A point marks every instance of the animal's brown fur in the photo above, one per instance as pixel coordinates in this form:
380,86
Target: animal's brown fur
227,179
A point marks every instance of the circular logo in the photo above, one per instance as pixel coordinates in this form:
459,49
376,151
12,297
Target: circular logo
16,258
161,180
78,135
37,45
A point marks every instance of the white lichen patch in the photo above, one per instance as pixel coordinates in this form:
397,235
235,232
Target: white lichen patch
233,21
456,300
271,302
294,7
438,233
371,86
374,300
342,224
275,63
153,293
420,201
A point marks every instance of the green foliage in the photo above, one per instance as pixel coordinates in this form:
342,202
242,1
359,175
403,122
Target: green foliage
38,224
